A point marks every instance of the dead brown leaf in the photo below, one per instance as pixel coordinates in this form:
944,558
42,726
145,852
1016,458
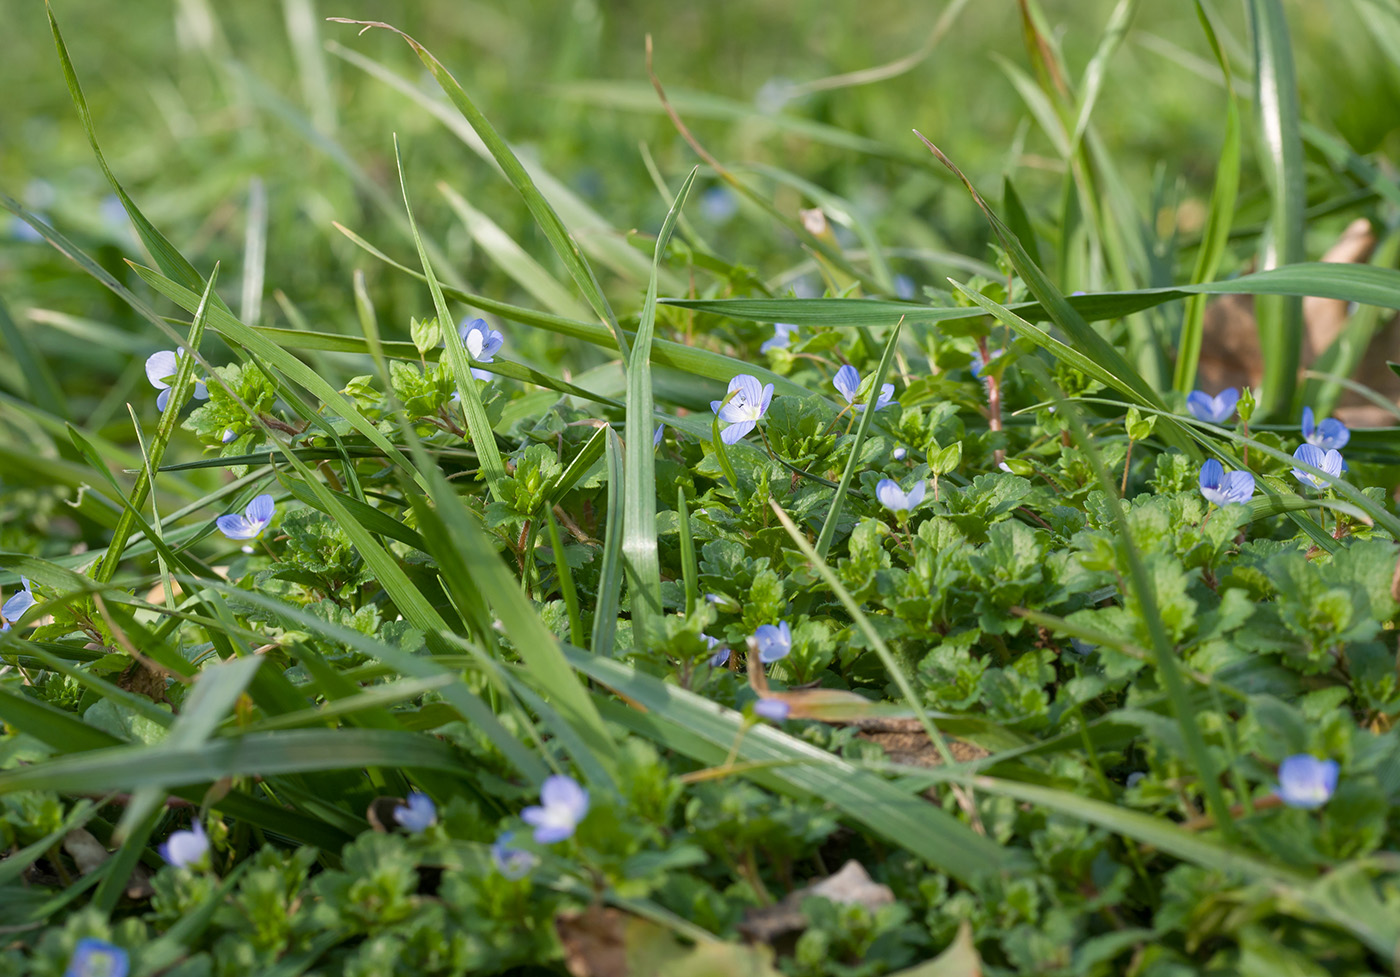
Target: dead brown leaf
144,678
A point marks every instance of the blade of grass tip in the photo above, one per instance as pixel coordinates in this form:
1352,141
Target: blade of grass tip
604,635
1281,148
566,581
599,238
180,392
254,254
690,570
885,655
1168,668
38,379
1216,236
478,424
554,230
1060,311
1112,38
166,255
853,462
639,473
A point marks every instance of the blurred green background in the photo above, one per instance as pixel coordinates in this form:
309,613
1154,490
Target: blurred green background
195,101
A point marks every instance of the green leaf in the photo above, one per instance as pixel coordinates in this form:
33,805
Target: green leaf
639,478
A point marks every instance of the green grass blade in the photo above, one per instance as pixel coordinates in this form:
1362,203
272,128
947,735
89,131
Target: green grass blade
1281,151
554,230
38,379
493,467
1216,236
566,580
690,569
705,731
833,516
512,259
1112,38
180,391
639,471
605,610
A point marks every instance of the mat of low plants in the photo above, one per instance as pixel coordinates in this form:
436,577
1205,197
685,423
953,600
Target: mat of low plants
655,615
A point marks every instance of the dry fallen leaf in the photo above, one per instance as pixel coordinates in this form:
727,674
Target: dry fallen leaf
88,854
961,959
852,885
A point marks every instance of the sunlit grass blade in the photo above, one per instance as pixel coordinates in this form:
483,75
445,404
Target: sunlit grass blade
1112,38
605,608
554,230
639,478
1281,151
1218,220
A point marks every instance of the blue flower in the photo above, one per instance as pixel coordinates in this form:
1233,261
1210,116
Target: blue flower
482,342
417,814
656,438
978,365
1330,435
186,849
1310,454
775,710
161,369
895,499
782,338
513,863
746,403
1216,410
1307,782
563,804
718,204
720,655
903,286
20,601
256,517
847,381
1222,488
97,958
229,435
899,454
773,642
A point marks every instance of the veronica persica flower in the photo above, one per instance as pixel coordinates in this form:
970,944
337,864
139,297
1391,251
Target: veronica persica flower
563,804
482,342
1217,409
741,410
1330,435
229,435
656,438
1307,782
775,710
97,958
186,849
20,601
847,381
782,338
250,525
895,499
720,655
513,863
773,641
417,814
1329,461
1224,488
161,369
899,453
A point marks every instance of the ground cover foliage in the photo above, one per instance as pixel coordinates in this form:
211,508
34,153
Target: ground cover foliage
841,574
